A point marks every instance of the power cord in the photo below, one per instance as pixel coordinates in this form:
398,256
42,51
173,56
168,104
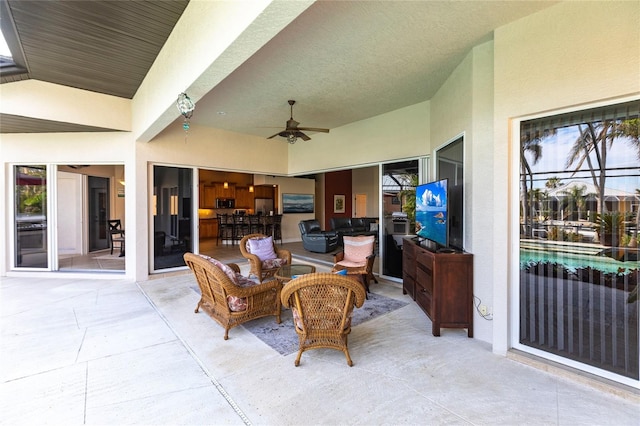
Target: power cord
486,315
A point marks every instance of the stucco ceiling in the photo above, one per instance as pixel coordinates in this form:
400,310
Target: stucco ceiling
342,61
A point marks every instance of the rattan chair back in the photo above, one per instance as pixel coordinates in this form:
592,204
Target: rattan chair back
323,304
257,268
216,287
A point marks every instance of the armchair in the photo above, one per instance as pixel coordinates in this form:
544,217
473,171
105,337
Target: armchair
264,256
322,305
316,240
357,258
228,297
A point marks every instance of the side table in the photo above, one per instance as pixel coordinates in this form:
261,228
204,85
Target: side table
288,272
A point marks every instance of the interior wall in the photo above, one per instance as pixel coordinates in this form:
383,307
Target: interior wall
365,180
569,55
337,183
288,185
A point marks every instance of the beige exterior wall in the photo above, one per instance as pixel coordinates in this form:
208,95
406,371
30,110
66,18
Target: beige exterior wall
463,107
38,99
567,56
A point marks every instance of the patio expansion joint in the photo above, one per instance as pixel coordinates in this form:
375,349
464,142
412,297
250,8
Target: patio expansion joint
193,355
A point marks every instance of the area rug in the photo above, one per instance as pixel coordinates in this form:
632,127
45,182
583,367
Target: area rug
283,338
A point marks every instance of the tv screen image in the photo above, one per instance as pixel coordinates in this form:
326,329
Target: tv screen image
432,213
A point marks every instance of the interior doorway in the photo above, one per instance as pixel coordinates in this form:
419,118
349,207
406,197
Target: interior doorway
98,213
360,205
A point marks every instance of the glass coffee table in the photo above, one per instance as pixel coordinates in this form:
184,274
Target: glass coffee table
288,272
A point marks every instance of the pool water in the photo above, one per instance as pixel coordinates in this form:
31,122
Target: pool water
572,261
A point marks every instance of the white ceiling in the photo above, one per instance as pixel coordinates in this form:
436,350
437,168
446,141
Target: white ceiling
344,61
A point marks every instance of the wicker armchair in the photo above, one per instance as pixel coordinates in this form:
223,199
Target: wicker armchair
357,258
322,305
266,257
228,297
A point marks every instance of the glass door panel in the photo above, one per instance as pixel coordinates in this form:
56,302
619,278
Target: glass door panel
31,248
172,216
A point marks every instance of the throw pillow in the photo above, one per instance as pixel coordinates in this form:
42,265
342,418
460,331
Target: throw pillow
262,247
356,249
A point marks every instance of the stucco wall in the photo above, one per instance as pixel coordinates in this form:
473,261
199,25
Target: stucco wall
567,56
403,133
463,107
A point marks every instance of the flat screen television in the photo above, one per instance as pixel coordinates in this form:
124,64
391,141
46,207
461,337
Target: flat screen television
432,212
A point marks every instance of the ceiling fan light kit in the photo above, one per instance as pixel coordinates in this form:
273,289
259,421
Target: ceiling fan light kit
292,132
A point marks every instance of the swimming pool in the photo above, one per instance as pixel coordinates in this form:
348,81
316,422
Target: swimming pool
572,256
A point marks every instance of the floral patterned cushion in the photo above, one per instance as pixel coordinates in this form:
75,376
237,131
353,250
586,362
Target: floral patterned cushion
239,304
236,304
299,324
273,263
223,267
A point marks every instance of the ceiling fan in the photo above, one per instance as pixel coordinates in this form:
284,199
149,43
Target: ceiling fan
292,132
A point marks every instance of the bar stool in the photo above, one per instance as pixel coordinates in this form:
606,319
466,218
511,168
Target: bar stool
267,225
255,224
240,226
225,228
277,228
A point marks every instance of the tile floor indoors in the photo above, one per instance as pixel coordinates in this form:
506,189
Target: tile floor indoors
111,351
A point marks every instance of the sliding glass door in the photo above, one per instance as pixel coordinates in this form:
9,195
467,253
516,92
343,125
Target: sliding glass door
30,213
579,219
171,205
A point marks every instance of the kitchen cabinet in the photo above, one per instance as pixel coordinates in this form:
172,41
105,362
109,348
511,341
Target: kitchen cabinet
208,228
244,198
222,192
264,191
208,197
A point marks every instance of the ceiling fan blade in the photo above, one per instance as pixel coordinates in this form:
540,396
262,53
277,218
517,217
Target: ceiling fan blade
303,136
313,129
292,124
273,136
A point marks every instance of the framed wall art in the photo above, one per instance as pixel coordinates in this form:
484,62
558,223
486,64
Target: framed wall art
297,203
338,203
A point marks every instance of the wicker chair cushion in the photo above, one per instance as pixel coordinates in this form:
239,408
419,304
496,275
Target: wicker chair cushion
236,304
239,304
298,321
262,247
273,263
223,267
356,250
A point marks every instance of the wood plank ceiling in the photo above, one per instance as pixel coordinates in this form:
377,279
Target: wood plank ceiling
100,46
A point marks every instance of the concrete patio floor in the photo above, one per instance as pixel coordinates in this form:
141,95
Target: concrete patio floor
111,351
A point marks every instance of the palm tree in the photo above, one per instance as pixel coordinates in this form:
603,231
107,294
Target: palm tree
553,182
529,144
592,145
576,196
536,195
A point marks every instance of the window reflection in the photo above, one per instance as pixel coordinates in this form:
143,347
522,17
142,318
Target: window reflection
31,217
